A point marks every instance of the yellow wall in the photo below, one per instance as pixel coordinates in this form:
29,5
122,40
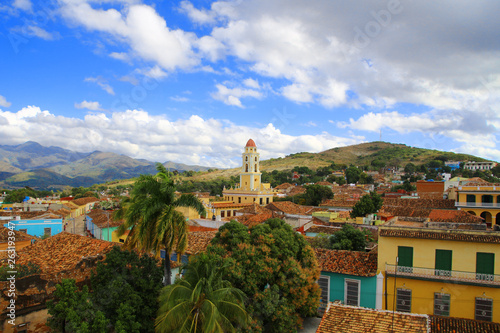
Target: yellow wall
462,297
424,252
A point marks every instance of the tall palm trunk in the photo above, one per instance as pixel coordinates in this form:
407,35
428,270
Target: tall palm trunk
167,269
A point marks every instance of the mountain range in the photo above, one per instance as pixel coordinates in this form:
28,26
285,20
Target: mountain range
31,164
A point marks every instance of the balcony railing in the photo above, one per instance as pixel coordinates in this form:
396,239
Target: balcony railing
430,273
478,204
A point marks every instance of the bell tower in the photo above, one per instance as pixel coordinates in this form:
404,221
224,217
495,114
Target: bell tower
250,177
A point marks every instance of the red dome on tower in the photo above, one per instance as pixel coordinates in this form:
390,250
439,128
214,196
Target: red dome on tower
250,143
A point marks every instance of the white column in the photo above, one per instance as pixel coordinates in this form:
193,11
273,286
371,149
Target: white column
380,291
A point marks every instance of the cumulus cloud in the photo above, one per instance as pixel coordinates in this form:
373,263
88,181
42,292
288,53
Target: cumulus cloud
200,16
94,106
4,102
139,134
140,27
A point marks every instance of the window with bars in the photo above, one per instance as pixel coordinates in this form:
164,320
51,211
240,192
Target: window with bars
484,309
403,300
351,296
324,284
441,304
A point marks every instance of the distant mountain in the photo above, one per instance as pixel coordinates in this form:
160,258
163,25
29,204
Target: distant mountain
184,167
31,164
31,156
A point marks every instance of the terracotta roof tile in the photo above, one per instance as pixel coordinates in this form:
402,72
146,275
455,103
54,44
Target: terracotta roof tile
284,186
84,201
199,240
452,325
349,319
19,235
453,235
253,209
297,190
62,251
23,215
451,215
347,262
100,218
287,207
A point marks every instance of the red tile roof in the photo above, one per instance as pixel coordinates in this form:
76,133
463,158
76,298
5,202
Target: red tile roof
350,319
199,240
18,235
250,143
452,235
453,325
84,201
253,209
347,262
103,218
62,251
284,186
287,207
451,215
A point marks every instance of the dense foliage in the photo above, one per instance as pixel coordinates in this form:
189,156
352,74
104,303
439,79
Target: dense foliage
275,267
124,296
201,301
72,311
315,194
22,270
347,238
125,288
20,194
368,204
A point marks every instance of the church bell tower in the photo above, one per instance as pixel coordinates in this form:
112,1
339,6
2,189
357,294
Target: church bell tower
250,177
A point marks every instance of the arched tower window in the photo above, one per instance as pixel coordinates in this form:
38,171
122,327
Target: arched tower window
255,167
246,167
255,158
246,158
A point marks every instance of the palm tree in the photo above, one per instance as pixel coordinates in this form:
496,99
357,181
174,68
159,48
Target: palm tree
152,217
201,301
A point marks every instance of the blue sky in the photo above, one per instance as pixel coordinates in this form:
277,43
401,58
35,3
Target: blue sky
192,81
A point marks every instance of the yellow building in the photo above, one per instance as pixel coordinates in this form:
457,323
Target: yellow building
451,273
250,189
480,200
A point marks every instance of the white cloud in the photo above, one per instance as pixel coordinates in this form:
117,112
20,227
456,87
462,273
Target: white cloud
123,56
156,73
232,96
251,83
179,99
139,134
140,27
41,33
101,82
23,4
94,106
4,103
200,16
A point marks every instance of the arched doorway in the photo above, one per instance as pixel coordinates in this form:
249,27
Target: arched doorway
487,218
497,219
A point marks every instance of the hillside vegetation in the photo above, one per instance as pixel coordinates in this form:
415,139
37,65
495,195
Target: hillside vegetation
369,155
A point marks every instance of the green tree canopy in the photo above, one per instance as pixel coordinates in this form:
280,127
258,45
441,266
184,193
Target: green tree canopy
275,267
201,301
368,204
125,288
71,310
348,238
315,194
352,175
